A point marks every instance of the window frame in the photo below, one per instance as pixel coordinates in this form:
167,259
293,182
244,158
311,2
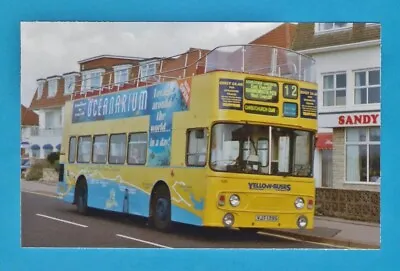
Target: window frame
109,149
144,70
128,148
68,78
52,86
188,131
92,154
87,79
40,89
334,28
69,150
118,72
366,143
367,85
335,88
77,152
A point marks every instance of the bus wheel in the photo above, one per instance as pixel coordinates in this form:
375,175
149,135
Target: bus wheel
161,208
81,197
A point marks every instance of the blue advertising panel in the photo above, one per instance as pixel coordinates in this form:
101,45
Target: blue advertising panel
157,101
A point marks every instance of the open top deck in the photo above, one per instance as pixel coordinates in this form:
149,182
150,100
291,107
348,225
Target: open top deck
250,59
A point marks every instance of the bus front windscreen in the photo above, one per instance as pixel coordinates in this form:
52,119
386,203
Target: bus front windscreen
261,149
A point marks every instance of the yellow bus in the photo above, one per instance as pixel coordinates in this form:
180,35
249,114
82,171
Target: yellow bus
231,147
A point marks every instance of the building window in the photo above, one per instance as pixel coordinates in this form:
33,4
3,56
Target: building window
52,87
137,149
69,84
35,153
323,27
367,87
117,151
40,89
363,155
84,149
196,147
72,150
121,74
334,89
100,147
91,80
147,70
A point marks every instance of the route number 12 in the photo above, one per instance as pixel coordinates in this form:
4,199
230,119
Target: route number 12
290,91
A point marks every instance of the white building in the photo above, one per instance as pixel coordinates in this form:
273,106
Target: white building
348,61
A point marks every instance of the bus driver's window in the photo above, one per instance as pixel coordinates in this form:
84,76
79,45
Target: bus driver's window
262,150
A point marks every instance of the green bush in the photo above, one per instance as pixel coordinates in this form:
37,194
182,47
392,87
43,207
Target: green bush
53,157
35,173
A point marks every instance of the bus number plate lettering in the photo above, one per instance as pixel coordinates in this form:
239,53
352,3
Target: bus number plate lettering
269,218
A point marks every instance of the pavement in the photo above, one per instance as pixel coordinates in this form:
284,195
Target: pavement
327,232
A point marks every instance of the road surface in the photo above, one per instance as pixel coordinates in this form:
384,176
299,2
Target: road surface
49,222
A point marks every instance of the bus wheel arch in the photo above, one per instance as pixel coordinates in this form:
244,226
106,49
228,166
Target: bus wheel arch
81,195
160,206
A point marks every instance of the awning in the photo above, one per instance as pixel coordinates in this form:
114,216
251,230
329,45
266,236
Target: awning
324,141
58,147
24,144
35,147
47,147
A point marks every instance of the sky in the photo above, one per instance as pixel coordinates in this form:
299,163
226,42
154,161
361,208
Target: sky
52,48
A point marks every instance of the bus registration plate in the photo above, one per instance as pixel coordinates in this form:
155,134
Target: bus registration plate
269,218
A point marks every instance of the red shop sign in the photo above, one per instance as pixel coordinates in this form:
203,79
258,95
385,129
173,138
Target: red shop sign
362,119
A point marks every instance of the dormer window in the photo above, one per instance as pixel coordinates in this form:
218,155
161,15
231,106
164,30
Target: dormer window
329,27
121,74
69,83
52,86
92,80
147,70
40,88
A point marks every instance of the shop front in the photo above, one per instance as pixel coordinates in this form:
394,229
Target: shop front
355,149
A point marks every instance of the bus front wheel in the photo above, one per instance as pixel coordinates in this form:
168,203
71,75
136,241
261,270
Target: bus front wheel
161,208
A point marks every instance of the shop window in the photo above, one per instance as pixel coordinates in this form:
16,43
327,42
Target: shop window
363,155
334,89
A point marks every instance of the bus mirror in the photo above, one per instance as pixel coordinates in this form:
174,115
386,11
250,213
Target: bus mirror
199,134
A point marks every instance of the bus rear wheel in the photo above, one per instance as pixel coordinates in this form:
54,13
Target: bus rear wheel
81,197
161,209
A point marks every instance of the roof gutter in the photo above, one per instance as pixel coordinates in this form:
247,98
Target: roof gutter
341,47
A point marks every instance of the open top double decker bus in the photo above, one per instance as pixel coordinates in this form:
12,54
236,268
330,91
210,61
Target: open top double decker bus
230,146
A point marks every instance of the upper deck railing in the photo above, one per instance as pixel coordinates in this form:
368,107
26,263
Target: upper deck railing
249,59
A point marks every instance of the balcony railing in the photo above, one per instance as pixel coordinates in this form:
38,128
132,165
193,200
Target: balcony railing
45,132
249,58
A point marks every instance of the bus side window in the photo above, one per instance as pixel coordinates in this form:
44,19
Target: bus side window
137,149
72,150
196,148
100,146
117,149
84,149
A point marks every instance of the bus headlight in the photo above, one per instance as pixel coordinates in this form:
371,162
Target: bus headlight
228,220
299,203
302,222
234,200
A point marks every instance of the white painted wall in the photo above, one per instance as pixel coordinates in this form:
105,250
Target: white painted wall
48,133
346,61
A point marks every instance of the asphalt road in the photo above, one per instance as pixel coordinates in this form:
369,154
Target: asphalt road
49,222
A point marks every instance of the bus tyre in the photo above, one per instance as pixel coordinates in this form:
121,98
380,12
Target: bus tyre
81,198
161,209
